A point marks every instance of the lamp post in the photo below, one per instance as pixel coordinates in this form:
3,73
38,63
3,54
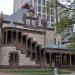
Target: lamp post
44,24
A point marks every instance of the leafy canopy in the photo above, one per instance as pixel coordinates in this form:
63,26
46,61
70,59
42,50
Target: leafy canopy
64,23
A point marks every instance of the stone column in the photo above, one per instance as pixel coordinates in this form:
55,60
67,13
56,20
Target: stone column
35,52
26,44
3,37
70,61
65,59
50,59
16,37
21,41
31,49
74,59
61,58
11,37
6,37
40,56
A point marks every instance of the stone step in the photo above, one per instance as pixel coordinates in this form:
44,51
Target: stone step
27,60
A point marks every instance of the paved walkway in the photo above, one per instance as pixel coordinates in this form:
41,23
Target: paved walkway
73,73
68,74
2,73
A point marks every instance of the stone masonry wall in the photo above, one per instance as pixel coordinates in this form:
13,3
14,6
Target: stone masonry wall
40,37
4,56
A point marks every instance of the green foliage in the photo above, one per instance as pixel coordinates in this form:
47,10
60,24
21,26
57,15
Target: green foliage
72,39
64,23
34,71
39,71
67,18
71,45
64,12
72,42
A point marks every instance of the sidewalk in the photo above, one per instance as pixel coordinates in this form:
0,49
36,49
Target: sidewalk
2,73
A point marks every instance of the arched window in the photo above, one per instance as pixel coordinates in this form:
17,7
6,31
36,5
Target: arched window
34,23
28,22
30,19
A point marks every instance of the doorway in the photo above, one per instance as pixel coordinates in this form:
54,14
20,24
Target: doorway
13,59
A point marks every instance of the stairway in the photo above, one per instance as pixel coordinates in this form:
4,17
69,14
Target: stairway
28,45
30,48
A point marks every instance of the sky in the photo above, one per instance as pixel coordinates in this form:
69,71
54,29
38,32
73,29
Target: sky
6,6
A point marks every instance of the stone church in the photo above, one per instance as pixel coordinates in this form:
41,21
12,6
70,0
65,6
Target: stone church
27,41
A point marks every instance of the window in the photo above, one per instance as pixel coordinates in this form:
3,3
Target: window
48,9
39,8
35,7
52,18
48,25
43,2
51,4
39,14
35,1
52,25
43,9
48,18
52,11
28,22
44,15
39,2
34,23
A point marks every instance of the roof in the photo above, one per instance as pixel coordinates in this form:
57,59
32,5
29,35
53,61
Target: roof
16,16
61,46
50,45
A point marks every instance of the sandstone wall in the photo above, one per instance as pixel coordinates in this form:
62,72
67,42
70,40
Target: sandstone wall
40,37
4,56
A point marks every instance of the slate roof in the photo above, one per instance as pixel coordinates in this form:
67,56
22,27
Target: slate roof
50,45
16,16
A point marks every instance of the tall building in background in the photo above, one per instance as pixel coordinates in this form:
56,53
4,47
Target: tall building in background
41,7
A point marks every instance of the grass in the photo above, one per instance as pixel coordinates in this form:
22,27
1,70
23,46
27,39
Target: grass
33,71
39,71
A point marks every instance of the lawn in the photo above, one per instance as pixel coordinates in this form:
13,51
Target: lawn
33,71
39,71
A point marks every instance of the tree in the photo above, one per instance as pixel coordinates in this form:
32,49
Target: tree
66,22
63,24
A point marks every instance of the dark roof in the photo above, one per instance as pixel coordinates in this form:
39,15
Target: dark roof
16,16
